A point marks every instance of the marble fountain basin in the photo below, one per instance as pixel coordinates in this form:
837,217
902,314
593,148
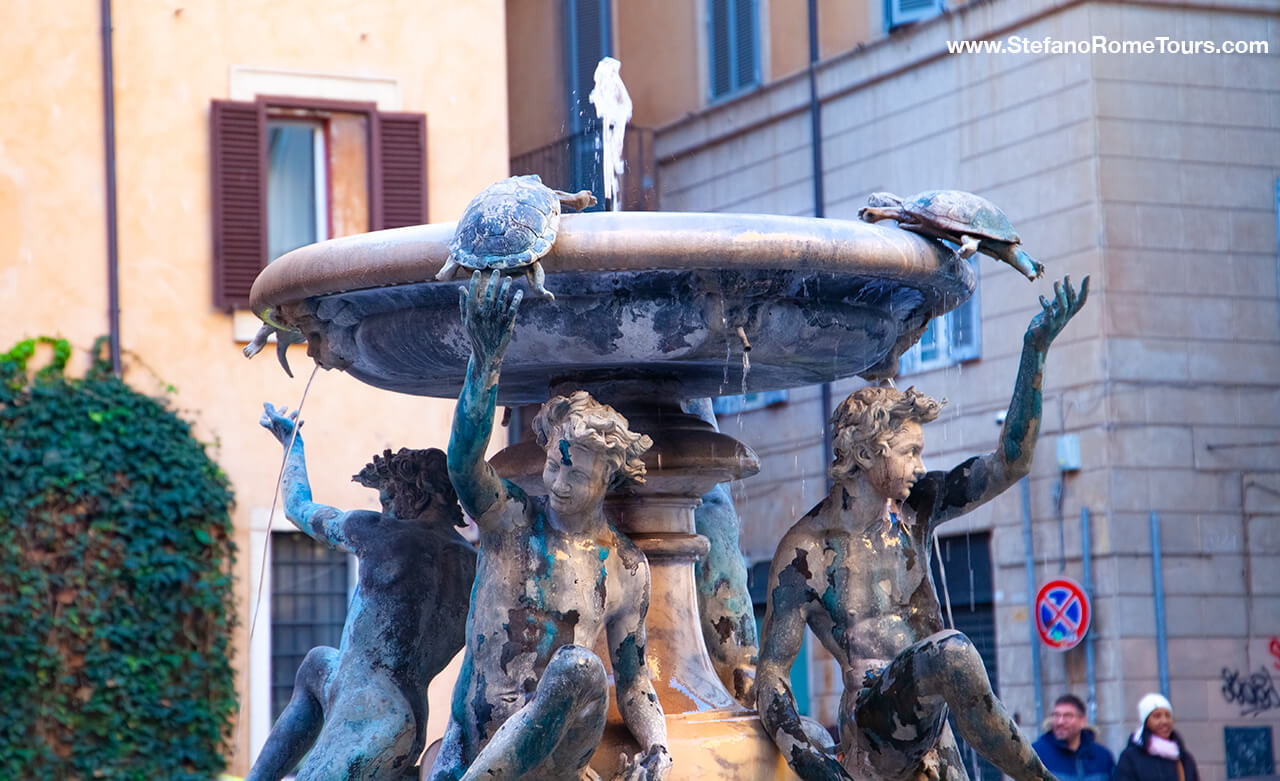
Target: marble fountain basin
639,295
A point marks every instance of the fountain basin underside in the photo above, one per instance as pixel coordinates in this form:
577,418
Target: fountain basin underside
638,296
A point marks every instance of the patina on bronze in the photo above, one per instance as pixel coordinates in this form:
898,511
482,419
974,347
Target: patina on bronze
651,309
855,570
360,711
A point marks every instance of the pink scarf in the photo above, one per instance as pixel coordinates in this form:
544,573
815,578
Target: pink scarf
1158,746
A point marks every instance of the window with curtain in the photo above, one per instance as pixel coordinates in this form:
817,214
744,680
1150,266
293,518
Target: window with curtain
297,196
289,171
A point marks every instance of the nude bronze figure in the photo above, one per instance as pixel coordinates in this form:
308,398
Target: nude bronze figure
855,570
553,576
361,708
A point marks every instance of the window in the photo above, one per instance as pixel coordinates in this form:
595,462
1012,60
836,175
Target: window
286,170
297,194
310,590
900,12
730,405
589,33
953,338
966,560
733,42
758,589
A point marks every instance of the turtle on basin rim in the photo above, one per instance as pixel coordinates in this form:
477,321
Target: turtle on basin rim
509,226
969,220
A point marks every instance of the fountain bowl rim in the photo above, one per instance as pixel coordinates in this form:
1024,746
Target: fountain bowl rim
606,242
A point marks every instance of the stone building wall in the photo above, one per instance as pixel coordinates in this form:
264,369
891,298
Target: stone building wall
170,60
1157,177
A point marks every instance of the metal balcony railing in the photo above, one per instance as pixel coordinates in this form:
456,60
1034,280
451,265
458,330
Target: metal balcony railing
572,163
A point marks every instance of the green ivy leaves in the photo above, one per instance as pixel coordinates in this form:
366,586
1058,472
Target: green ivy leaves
115,581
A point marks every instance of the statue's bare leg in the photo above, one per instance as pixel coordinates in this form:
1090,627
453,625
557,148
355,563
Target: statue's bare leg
902,715
369,732
728,620
556,732
449,764
298,726
724,604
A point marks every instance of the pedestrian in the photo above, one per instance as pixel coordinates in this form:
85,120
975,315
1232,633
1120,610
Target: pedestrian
1155,752
1069,748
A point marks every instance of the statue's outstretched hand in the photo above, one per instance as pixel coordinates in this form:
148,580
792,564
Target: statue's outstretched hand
1055,315
281,423
489,314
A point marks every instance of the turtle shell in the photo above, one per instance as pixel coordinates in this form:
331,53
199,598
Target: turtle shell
511,223
962,212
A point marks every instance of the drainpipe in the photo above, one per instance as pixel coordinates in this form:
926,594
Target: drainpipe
1087,565
1157,584
815,113
109,158
1031,599
819,205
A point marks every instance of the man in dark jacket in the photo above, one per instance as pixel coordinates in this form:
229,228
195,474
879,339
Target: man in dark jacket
1068,748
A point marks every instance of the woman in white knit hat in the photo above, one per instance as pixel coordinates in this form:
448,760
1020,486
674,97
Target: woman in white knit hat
1155,752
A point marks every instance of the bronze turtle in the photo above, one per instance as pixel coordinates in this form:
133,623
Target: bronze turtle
962,218
510,225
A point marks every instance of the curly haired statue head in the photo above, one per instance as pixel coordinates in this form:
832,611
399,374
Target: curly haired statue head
864,422
413,480
581,420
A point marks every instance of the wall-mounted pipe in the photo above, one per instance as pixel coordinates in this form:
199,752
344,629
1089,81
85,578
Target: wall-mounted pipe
815,114
1157,585
819,206
109,158
1031,600
1086,560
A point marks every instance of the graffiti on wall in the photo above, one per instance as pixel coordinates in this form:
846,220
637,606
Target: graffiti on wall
1253,692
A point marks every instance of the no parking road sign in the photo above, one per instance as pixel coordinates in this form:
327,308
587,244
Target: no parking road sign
1062,614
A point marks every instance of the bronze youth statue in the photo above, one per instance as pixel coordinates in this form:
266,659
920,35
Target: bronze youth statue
363,706
553,576
855,569
724,604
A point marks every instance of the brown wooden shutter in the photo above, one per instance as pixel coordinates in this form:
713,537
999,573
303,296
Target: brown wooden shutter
400,181
238,132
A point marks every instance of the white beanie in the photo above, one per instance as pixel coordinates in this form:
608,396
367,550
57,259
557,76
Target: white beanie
1149,703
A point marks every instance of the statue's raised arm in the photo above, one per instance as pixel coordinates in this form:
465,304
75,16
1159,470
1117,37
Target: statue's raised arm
981,479
488,316
321,522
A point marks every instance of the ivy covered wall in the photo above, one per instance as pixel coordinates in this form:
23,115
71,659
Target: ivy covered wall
115,584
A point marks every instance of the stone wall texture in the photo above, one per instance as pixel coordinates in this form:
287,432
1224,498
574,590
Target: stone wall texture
1155,175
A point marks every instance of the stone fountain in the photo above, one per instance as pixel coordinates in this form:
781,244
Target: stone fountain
650,309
